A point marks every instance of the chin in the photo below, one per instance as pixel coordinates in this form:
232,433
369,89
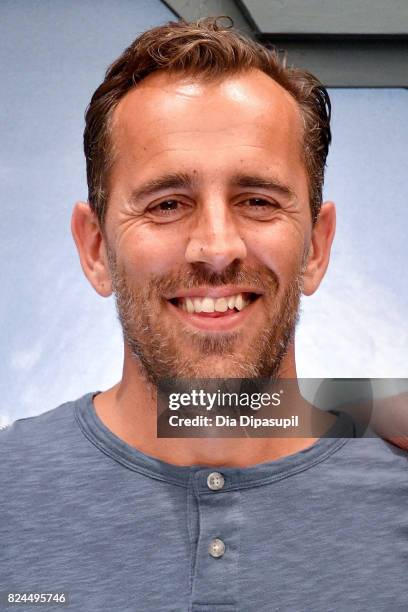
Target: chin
225,368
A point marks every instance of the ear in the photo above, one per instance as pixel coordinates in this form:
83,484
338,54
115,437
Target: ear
90,243
320,246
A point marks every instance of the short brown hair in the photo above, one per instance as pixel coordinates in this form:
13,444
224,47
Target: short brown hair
208,49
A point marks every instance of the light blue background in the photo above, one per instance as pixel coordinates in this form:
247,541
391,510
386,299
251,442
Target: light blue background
59,339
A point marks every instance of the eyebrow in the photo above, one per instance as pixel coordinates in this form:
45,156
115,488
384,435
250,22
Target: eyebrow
260,182
182,180
172,180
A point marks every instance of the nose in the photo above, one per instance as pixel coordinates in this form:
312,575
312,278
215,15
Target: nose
215,240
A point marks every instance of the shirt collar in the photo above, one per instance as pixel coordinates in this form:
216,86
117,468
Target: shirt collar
235,478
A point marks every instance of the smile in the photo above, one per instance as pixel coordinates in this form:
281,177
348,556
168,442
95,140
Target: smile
214,313
208,304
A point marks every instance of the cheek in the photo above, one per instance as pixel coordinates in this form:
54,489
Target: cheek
151,253
278,248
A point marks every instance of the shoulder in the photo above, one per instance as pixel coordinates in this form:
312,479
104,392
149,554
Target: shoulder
375,449
370,460
34,437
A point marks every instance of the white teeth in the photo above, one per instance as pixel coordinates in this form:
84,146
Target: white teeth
209,304
239,302
221,305
189,305
231,302
197,304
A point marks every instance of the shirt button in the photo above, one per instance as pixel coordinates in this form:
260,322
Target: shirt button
215,481
216,548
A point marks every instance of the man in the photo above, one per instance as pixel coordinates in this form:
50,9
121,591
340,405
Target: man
205,163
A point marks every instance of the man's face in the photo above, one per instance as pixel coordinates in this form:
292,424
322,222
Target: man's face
208,224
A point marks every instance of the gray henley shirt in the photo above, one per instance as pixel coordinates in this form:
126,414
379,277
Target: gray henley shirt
84,513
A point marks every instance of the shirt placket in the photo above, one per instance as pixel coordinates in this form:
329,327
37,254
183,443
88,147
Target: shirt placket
215,572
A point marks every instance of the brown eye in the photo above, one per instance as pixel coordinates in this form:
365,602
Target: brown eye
259,203
169,210
258,208
167,205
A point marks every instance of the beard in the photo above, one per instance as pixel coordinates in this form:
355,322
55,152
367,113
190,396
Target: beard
166,351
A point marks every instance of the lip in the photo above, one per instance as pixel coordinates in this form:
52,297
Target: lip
217,324
214,292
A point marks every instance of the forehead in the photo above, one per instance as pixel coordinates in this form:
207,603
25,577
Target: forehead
246,113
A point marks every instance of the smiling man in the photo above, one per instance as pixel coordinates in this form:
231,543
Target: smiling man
205,163
213,230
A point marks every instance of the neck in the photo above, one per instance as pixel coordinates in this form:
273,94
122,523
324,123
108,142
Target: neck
129,410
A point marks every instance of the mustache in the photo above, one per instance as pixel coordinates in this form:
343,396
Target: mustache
261,278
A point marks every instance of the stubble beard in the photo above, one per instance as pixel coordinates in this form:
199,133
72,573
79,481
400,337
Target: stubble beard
159,350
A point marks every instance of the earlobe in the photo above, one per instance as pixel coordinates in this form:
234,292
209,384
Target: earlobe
91,248
319,251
